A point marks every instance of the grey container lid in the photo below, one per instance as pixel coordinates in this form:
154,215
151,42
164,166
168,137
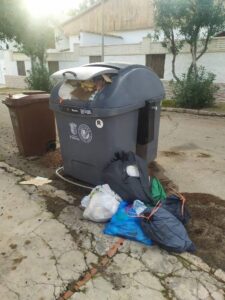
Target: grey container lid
83,73
131,87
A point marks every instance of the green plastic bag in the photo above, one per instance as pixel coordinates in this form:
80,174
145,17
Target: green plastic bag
157,191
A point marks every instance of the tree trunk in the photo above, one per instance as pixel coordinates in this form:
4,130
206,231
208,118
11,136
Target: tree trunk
193,66
173,68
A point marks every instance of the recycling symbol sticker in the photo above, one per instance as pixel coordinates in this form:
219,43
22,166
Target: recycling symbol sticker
85,133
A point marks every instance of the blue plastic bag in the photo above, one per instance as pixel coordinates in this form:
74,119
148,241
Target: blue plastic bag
125,223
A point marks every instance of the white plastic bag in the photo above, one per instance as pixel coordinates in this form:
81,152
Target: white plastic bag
102,205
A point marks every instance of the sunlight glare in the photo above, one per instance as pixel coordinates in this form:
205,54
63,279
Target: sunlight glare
39,8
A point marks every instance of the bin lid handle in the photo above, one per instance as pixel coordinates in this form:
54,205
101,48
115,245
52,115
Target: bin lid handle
70,72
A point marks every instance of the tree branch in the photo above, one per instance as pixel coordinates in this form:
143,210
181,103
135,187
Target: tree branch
174,52
205,46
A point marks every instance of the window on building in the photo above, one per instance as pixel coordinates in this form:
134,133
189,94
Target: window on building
21,68
95,58
53,66
157,63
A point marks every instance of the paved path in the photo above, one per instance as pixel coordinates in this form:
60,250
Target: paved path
192,152
41,253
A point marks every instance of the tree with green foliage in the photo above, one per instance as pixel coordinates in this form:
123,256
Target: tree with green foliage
31,36
37,38
193,23
13,20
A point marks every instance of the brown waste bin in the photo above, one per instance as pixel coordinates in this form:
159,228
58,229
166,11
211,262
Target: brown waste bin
33,123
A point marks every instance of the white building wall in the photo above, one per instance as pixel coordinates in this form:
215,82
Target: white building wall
27,66
134,36
91,39
134,59
82,60
2,71
10,65
213,62
73,40
61,41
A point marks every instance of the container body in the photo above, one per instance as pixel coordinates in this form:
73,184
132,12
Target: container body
122,116
89,143
34,126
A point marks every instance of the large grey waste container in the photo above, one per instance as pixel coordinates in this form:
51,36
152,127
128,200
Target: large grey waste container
124,115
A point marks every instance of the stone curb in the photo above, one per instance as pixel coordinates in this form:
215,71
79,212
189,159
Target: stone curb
193,112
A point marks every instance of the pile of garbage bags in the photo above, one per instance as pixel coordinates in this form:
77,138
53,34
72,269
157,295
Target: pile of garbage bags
136,206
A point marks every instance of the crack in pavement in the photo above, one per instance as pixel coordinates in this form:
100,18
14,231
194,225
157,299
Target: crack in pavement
106,261
53,256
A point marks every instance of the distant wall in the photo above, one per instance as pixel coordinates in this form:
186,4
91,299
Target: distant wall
213,62
220,95
13,81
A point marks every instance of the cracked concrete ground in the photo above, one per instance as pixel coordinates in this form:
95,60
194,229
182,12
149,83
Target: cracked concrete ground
41,255
43,252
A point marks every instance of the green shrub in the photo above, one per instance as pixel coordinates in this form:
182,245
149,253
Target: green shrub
195,90
168,103
39,78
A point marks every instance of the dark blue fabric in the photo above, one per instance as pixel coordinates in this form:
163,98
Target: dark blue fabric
125,224
174,205
167,231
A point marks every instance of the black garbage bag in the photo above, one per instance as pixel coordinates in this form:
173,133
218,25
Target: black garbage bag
166,231
128,187
177,208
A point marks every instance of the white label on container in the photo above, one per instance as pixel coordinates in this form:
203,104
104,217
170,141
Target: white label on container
74,132
99,123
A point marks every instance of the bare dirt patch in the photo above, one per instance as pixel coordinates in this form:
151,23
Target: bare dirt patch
52,159
207,225
55,205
